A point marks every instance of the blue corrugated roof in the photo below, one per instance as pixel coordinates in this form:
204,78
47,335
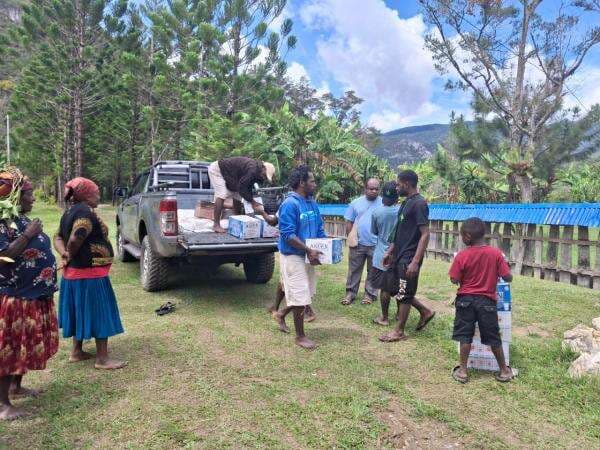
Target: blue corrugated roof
584,214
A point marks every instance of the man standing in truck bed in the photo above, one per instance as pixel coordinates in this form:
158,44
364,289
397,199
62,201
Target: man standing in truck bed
234,178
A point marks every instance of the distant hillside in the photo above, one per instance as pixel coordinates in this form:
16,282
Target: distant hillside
411,144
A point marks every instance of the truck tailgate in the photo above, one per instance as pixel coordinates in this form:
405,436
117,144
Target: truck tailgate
213,241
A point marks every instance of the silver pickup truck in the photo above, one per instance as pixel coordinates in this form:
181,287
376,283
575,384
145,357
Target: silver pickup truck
148,227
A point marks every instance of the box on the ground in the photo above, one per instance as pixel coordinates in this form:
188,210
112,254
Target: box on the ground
505,334
266,230
244,227
504,297
482,358
331,249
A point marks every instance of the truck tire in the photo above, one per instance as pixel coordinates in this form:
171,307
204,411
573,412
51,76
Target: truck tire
259,268
122,254
154,270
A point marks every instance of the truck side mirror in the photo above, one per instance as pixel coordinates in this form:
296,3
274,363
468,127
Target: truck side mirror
121,192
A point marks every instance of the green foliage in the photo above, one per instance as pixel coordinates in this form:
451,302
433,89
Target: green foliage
578,182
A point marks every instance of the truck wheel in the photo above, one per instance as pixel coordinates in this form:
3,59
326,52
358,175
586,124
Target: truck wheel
154,270
259,268
122,254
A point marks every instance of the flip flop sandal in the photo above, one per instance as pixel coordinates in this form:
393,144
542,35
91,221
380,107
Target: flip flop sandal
165,309
386,338
367,301
377,322
502,379
420,326
347,302
461,380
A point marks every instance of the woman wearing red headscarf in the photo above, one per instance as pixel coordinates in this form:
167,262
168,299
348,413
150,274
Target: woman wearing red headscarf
28,328
87,304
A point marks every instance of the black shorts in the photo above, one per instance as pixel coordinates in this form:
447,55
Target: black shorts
472,309
376,278
397,283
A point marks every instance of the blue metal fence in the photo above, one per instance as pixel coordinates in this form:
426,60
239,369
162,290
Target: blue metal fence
581,214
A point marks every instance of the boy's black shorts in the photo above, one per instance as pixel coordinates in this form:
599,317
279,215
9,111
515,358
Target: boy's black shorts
376,278
471,309
397,283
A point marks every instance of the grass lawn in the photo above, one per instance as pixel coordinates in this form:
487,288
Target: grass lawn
217,373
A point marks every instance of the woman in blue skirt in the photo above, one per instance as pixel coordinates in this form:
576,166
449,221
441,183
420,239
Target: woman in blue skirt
87,304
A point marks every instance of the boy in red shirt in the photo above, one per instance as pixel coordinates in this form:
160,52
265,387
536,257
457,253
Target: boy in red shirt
476,270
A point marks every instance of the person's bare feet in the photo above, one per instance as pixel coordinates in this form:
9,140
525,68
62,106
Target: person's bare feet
109,364
309,314
219,229
9,412
305,343
80,356
393,336
381,321
23,392
281,323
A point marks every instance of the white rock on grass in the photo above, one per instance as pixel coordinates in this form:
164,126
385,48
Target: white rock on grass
586,341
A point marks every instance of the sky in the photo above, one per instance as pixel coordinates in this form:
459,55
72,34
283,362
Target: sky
376,48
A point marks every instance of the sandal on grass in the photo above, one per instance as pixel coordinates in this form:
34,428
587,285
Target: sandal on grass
388,338
165,309
347,301
424,323
502,379
458,377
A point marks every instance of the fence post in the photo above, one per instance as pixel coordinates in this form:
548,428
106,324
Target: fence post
456,240
488,233
528,247
518,249
552,254
566,257
596,277
539,245
506,236
583,258
495,241
446,241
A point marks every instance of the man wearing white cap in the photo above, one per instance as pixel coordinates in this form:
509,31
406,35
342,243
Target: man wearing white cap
234,178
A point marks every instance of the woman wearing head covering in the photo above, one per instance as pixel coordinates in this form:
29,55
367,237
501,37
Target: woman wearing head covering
87,304
28,327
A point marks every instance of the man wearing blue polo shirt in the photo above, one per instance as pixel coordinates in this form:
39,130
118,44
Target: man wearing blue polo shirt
359,215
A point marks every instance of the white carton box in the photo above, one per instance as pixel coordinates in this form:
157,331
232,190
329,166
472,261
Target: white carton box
505,334
266,230
330,248
505,319
482,358
244,227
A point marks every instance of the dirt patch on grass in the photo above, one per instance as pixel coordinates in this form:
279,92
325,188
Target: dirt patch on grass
405,432
532,330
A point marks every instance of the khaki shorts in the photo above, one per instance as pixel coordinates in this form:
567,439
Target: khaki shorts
218,183
299,280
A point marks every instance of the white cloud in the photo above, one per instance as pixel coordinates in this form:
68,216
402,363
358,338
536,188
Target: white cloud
296,71
276,23
367,47
584,84
388,120
323,89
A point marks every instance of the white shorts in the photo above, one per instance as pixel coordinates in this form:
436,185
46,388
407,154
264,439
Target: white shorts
218,183
299,280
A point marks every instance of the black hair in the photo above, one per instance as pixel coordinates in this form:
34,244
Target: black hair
409,176
389,193
474,226
298,175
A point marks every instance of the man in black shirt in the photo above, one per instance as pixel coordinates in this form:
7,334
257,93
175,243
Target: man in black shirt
408,242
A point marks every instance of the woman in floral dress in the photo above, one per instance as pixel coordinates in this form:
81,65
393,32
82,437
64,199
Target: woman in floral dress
87,304
28,326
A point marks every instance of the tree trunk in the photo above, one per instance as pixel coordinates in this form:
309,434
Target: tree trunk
134,141
78,130
525,188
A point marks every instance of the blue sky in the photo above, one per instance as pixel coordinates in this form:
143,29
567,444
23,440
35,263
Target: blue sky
375,47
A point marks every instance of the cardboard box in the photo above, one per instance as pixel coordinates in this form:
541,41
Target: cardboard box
482,358
244,227
331,249
505,334
504,296
206,210
248,209
505,319
484,351
488,364
266,230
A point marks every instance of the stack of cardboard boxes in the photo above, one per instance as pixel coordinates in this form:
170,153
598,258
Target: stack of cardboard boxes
481,356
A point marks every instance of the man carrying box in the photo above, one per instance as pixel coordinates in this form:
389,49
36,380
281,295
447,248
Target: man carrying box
234,178
299,219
